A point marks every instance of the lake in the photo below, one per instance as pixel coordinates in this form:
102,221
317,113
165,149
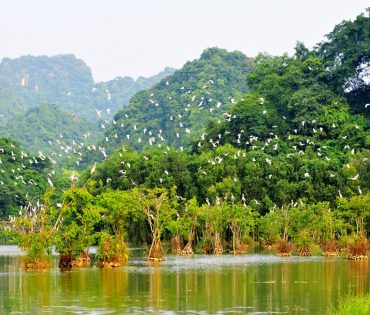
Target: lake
248,284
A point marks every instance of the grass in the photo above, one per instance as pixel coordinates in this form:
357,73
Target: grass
353,305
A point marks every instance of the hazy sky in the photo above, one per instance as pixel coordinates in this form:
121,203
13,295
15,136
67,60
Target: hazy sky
141,37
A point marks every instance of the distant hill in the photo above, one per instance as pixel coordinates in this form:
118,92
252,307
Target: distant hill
115,94
51,130
10,102
64,80
178,108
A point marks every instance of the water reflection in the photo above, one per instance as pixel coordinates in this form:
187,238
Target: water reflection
183,285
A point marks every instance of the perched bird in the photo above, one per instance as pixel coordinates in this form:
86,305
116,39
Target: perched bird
93,169
359,190
50,182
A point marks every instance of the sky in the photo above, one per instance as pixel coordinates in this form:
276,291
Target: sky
141,37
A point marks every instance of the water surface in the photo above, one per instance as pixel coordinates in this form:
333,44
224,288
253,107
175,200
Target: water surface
249,284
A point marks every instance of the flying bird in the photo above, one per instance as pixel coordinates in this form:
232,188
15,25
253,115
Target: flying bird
354,177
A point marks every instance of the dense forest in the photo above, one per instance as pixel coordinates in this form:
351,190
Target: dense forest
177,109
271,151
67,134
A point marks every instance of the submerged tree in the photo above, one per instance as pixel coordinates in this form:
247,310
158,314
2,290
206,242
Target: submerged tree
241,220
158,212
32,231
188,222
356,210
121,208
75,222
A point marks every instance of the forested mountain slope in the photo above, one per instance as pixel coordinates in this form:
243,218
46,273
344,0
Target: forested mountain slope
271,150
28,84
176,110
294,138
51,130
62,79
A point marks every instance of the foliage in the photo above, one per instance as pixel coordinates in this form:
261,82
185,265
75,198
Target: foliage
66,81
287,163
357,213
32,231
356,305
347,60
176,110
23,177
358,246
158,211
78,216
67,135
123,214
111,250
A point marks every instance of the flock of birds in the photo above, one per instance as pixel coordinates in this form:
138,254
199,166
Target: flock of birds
127,132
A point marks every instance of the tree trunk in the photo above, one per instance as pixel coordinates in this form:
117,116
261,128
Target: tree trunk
217,248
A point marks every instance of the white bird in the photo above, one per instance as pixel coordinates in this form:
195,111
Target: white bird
354,177
359,190
93,169
50,182
98,112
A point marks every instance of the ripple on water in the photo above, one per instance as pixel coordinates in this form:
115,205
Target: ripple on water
74,309
174,263
10,250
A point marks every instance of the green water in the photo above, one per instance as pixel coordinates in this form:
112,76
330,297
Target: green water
250,284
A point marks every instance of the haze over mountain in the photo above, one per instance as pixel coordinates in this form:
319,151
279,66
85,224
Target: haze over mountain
43,98
28,81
